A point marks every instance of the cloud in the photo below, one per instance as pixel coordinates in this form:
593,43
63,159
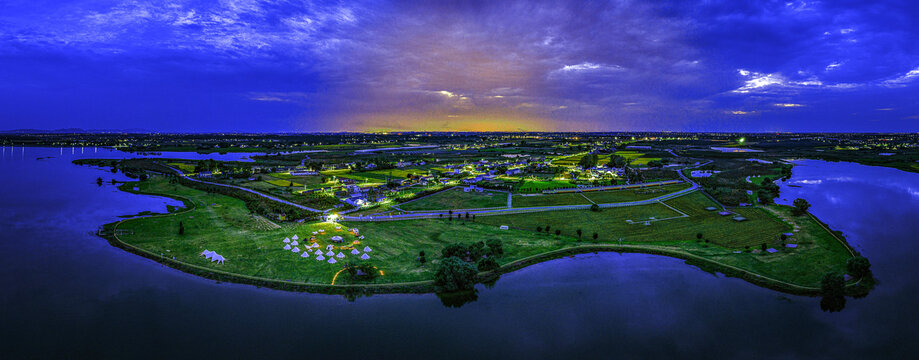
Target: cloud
904,79
787,105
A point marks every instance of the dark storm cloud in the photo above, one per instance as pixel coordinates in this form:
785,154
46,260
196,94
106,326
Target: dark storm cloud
296,65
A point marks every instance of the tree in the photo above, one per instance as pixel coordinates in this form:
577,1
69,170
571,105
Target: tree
487,264
858,266
143,177
596,236
764,246
595,208
181,228
833,284
558,232
454,250
495,247
539,229
547,229
421,258
699,236
588,161
453,274
801,207
99,181
579,233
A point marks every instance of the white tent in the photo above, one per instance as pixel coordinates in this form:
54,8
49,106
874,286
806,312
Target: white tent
330,247
318,252
295,237
338,228
207,253
336,238
361,237
355,252
367,249
287,247
287,240
330,253
365,257
314,233
295,243
295,249
332,261
340,255
218,258
305,254
320,257
321,230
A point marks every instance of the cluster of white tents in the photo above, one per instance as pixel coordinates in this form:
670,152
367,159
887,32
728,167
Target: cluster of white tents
292,244
213,256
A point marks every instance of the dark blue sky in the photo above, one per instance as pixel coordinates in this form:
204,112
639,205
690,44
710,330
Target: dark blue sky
248,65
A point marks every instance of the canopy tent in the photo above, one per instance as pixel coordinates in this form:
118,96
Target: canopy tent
361,237
321,230
305,254
332,261
329,247
287,240
207,253
320,257
365,257
295,249
336,238
367,249
287,247
355,252
218,258
340,255
330,253
314,233
318,252
338,228
294,243
295,237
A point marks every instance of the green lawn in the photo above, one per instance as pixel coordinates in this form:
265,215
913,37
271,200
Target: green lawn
535,186
615,196
456,198
253,246
549,200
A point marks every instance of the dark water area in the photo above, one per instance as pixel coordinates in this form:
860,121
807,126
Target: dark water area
67,293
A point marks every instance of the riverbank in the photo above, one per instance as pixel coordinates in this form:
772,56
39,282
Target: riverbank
255,255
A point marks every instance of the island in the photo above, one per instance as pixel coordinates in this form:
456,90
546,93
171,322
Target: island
406,216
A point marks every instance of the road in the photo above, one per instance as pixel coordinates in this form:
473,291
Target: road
269,197
439,214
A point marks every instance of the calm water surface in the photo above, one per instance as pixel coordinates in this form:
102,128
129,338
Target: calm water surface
66,292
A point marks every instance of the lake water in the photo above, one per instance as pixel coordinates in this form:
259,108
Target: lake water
66,292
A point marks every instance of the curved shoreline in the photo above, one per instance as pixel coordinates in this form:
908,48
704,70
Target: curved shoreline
427,286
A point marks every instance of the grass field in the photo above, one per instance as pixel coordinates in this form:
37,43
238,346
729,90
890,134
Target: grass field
549,200
535,186
629,155
611,223
186,168
599,197
253,246
283,183
456,198
643,161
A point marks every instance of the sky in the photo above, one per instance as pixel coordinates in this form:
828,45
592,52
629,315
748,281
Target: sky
317,66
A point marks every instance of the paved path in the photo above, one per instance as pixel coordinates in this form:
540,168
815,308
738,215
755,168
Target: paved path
269,197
